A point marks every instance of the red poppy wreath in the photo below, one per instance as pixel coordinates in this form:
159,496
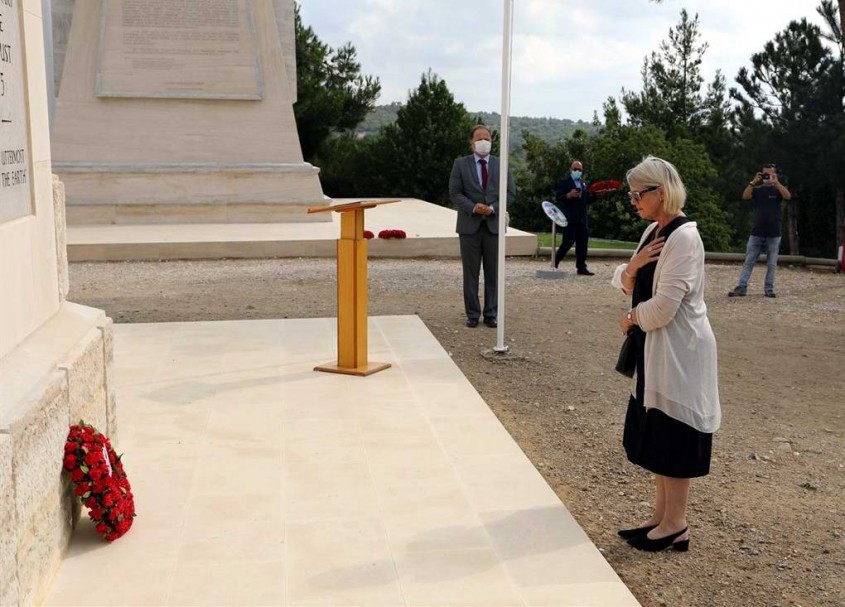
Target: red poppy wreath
388,234
99,480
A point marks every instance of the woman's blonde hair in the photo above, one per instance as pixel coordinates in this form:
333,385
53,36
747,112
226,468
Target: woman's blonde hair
653,171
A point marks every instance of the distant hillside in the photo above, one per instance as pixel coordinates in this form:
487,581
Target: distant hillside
549,129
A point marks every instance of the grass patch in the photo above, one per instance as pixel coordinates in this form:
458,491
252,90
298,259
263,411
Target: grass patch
545,239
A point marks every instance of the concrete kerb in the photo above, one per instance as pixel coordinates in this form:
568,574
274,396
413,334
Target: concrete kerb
800,260
552,273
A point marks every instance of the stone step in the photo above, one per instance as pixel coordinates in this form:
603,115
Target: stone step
430,232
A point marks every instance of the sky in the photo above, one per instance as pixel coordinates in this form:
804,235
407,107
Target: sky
568,57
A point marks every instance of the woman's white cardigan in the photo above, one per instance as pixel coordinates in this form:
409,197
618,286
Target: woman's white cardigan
681,373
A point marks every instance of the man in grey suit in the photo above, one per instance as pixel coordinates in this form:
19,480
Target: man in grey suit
474,190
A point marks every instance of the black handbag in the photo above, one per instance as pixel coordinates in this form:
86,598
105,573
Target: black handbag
626,364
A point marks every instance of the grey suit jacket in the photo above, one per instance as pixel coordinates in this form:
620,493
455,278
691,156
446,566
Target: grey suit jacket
465,192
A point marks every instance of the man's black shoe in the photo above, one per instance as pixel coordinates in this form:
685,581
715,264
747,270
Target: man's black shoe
770,294
491,322
585,272
472,322
738,292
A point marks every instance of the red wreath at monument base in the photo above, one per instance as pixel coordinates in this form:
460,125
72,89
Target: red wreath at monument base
388,234
100,481
606,186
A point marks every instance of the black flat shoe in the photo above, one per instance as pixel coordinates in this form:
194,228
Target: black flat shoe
491,322
585,272
627,534
472,323
643,542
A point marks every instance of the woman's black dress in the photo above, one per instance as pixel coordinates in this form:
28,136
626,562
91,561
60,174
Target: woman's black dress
652,439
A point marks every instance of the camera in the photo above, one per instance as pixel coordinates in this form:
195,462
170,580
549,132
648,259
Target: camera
765,176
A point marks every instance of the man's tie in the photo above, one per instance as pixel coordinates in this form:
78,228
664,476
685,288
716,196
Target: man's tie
483,173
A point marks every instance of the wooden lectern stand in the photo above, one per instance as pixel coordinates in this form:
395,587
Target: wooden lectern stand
352,290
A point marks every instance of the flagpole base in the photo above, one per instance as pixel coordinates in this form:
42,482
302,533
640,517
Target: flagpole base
552,273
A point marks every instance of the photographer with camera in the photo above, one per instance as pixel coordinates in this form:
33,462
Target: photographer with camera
766,194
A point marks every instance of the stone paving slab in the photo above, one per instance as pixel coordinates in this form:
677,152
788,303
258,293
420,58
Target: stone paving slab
261,482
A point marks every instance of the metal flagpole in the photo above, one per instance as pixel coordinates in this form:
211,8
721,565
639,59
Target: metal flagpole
504,133
47,26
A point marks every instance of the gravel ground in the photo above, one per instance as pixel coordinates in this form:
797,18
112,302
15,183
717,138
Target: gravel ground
767,525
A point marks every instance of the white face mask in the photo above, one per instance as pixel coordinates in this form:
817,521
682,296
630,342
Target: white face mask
482,147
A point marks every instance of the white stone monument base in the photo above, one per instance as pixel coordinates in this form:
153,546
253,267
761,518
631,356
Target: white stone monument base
430,232
190,193
58,375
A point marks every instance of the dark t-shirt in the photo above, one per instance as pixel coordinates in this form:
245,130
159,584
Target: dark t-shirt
765,211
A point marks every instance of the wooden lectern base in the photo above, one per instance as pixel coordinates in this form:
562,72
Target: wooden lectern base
363,371
352,290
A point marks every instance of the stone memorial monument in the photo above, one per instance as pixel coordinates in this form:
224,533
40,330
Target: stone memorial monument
55,356
179,112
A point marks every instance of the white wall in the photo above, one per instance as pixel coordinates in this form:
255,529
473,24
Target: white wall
29,291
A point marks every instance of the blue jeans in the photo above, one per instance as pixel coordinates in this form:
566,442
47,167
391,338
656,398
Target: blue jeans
756,245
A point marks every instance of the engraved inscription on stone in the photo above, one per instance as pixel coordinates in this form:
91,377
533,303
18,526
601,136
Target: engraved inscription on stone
15,162
179,48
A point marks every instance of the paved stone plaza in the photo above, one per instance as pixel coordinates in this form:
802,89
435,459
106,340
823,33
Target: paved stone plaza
261,482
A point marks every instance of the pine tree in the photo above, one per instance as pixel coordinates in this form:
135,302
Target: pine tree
828,12
332,95
671,97
794,89
413,156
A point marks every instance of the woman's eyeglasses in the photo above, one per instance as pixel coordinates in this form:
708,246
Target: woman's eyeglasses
637,196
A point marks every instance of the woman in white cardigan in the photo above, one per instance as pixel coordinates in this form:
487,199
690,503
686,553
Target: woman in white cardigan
674,408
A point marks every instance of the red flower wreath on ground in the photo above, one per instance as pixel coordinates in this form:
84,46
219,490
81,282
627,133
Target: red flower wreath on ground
387,234
99,480
368,235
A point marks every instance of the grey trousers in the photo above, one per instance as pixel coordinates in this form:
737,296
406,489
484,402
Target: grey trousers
481,248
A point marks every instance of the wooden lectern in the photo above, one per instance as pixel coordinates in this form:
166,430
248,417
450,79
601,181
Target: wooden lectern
352,290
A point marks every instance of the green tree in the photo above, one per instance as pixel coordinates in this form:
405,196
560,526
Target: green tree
545,163
676,117
671,97
787,75
608,155
619,147
342,159
794,89
836,34
332,95
413,156
674,99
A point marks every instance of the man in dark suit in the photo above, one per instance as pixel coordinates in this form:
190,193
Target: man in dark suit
572,197
474,190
